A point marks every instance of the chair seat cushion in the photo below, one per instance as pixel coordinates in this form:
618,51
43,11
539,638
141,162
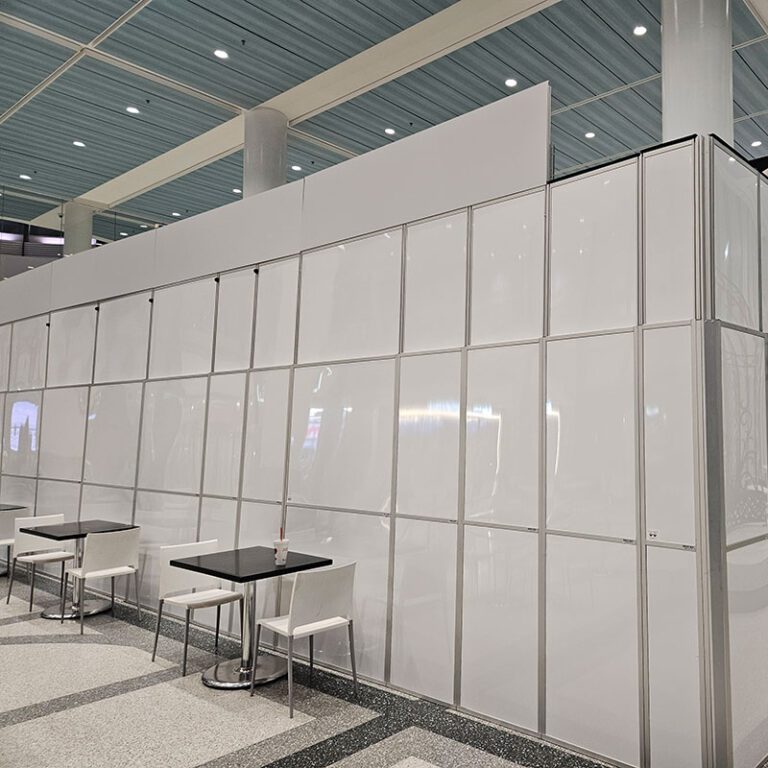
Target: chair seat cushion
106,573
45,557
207,598
280,625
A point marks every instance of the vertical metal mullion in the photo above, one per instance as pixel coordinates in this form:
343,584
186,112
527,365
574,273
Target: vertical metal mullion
760,254
42,408
7,392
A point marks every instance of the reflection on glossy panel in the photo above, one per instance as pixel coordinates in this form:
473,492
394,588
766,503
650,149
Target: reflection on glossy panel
423,617
5,355
673,659
744,435
428,437
172,435
225,434
669,448
499,670
63,433
503,435
21,433
364,539
737,290
341,436
592,676
350,299
55,497
70,355
508,270
234,321
278,286
182,329
121,346
594,251
29,353
266,426
590,414
18,490
435,283
107,504
259,527
763,255
113,434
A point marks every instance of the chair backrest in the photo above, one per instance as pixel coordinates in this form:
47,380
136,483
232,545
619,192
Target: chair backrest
174,579
111,550
321,594
26,543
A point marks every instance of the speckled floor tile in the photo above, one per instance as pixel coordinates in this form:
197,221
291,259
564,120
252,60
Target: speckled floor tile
41,627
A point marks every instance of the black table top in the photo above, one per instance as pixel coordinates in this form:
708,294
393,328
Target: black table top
11,507
250,564
65,531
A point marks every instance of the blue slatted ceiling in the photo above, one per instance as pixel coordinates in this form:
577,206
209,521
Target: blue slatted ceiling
21,208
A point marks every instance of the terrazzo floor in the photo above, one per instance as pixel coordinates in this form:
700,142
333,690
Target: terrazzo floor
98,701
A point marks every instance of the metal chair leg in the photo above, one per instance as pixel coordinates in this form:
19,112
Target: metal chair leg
311,657
290,677
61,580
10,581
255,658
32,587
82,604
136,586
186,643
352,654
157,631
112,585
218,623
63,595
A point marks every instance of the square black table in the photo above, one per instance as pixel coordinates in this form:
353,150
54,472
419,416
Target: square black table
246,567
9,508
77,531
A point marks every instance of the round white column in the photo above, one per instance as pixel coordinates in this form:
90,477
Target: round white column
696,68
77,224
266,150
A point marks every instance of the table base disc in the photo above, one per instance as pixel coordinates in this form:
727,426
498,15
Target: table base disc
92,607
230,676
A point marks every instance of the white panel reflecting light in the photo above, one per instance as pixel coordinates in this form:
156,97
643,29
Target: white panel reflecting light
435,283
18,490
278,286
101,503
670,234
113,434
21,433
350,298
592,680
590,414
234,322
121,346
673,659
428,436
341,436
508,269
363,539
669,448
500,625
502,482
267,424
594,251
5,355
763,255
172,435
259,527
225,434
70,356
423,614
182,329
736,241
744,436
29,353
55,497
63,433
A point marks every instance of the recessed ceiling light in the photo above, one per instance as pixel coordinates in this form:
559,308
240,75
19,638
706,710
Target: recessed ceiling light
123,234
510,82
589,135
757,143
79,143
220,54
640,30
175,214
30,267
237,191
132,110
25,177
295,167
144,226
389,131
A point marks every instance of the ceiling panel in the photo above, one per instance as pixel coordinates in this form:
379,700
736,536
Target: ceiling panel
111,226
18,208
750,79
745,25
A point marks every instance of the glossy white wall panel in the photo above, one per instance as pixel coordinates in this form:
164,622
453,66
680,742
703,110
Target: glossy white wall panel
266,428
259,527
435,283
594,254
70,356
18,490
592,657
55,497
21,433
125,266
234,322
737,290
508,269
224,438
278,286
363,539
101,503
121,346
590,415
499,671
182,329
5,355
423,616
428,436
744,436
673,659
669,446
113,434
341,436
350,298
29,353
63,433
502,464
763,252
29,294
172,435
669,234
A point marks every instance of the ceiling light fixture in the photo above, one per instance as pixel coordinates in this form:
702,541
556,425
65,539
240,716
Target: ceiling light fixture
510,82
757,143
639,30
132,110
25,177
389,131
295,167
237,191
220,54
589,135
123,234
144,226
175,214
79,143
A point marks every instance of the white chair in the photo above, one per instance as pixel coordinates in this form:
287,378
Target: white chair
321,600
105,556
35,550
174,580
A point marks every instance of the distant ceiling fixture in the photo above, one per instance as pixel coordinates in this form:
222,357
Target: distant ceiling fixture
30,267
510,82
298,167
220,54
237,191
589,135
132,110
640,30
144,226
79,143
175,214
757,143
389,131
25,177
123,234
